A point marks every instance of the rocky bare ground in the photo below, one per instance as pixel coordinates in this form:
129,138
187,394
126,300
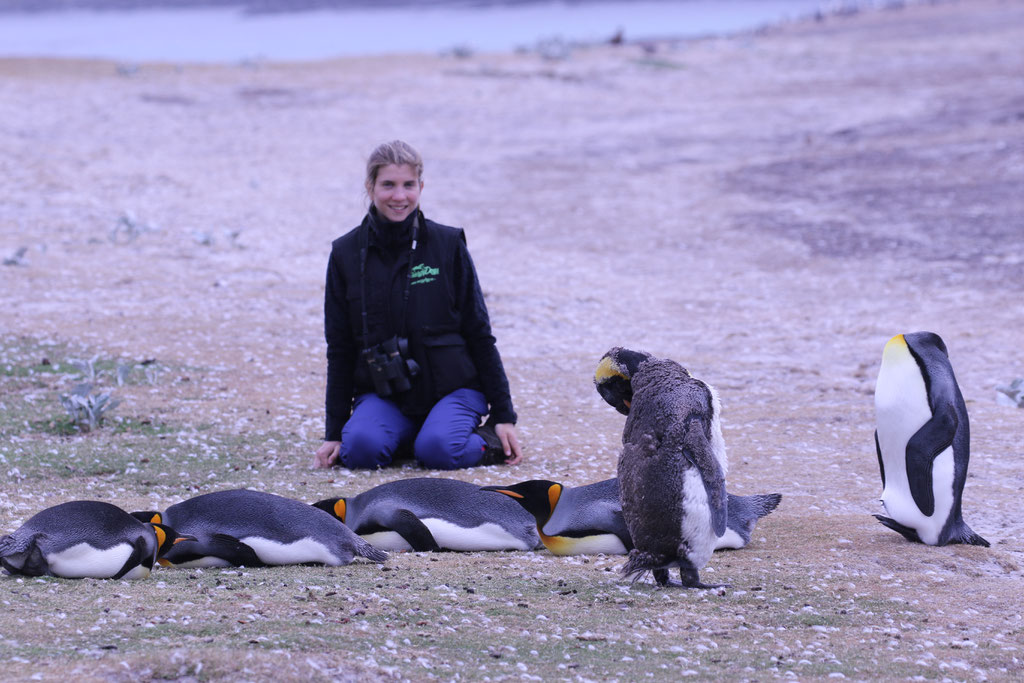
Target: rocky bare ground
767,209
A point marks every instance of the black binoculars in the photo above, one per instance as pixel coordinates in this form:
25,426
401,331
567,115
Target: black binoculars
390,367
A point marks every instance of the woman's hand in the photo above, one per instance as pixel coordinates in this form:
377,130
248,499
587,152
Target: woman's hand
327,454
509,442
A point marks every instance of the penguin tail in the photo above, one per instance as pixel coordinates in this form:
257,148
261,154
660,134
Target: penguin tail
370,552
964,534
765,503
906,531
640,562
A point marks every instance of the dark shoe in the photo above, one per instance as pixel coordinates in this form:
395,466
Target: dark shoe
494,452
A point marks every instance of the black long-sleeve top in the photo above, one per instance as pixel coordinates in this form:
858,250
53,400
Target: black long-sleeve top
445,318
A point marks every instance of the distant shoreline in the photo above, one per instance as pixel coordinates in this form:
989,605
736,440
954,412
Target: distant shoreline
231,31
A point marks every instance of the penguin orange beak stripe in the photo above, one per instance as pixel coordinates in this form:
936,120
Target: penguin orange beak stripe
513,494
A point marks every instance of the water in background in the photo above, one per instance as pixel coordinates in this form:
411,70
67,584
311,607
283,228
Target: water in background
218,33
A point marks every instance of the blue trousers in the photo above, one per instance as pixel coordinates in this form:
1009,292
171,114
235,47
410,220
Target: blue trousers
444,441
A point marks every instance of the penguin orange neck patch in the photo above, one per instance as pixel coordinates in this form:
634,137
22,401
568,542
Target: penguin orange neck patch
554,493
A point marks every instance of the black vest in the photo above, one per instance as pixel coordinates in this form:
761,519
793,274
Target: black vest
432,320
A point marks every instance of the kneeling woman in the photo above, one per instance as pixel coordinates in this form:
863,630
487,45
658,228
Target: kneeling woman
411,360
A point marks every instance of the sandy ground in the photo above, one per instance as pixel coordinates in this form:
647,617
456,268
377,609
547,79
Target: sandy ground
767,209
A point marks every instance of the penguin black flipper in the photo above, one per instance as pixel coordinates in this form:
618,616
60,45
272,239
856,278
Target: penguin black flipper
688,435
714,485
407,525
135,559
881,464
232,550
221,546
935,436
907,532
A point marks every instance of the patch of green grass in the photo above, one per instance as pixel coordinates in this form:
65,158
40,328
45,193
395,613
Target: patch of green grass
656,63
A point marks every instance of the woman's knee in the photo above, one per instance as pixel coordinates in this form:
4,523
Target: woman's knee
438,451
364,449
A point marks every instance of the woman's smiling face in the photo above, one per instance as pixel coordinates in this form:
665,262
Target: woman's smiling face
396,192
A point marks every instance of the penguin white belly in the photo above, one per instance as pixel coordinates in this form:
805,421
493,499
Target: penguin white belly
901,409
487,536
609,544
387,540
84,561
696,530
730,540
203,563
298,552
137,572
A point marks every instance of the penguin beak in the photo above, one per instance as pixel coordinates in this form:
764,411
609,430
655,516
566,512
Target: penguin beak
498,489
179,539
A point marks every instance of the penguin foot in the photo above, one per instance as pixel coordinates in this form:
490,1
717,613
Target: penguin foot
672,583
964,534
690,579
907,532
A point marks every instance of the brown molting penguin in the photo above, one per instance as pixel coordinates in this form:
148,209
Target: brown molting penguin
672,466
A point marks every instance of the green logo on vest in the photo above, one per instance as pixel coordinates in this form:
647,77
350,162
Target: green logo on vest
422,274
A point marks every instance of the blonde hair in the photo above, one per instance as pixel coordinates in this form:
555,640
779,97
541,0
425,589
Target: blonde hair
395,152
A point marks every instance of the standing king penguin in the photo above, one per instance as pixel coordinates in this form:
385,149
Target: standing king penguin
85,539
241,527
585,520
427,513
923,441
672,466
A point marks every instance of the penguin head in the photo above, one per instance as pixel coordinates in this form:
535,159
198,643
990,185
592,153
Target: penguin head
537,496
920,341
917,343
166,537
149,516
179,554
613,375
336,507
